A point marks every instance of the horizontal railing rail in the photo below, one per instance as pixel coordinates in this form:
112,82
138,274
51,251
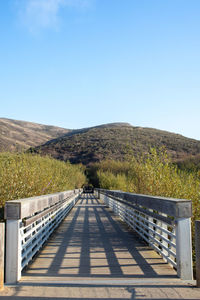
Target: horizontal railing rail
29,223
164,223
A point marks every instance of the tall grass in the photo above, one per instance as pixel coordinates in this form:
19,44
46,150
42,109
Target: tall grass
25,175
152,174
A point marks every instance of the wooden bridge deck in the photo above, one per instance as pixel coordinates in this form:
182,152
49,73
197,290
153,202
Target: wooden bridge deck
92,255
91,243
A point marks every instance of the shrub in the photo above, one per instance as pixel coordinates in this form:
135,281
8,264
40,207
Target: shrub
25,175
152,174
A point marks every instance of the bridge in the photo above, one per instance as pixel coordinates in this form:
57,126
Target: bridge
106,245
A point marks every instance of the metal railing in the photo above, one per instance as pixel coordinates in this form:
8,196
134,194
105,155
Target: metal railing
164,223
29,223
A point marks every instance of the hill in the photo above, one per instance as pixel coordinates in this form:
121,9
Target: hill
114,141
190,163
18,135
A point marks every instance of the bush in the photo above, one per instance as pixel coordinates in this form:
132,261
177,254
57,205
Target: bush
152,174
110,181
25,175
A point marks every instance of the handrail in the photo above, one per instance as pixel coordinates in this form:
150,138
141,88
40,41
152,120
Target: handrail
164,223
29,223
169,221
177,208
24,208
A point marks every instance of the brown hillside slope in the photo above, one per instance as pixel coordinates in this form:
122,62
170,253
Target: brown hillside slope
114,141
20,135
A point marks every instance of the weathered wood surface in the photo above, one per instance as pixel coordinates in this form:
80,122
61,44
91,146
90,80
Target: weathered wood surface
2,234
91,244
23,208
197,251
177,208
94,256
181,259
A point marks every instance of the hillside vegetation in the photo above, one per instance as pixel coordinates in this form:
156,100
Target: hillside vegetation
26,175
115,141
190,163
20,135
150,174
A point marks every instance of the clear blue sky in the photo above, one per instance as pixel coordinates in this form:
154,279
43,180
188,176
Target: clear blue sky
80,63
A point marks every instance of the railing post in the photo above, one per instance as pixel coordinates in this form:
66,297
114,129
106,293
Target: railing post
101,196
197,250
184,248
165,235
13,251
2,234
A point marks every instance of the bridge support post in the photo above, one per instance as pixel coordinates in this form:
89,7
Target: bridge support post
197,251
2,234
184,249
13,251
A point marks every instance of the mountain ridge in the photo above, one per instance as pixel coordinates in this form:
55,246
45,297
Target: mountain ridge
115,141
16,135
93,144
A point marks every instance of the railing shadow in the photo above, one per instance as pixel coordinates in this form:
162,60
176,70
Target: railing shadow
91,243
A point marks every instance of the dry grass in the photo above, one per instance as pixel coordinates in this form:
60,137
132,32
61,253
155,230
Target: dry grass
25,175
152,174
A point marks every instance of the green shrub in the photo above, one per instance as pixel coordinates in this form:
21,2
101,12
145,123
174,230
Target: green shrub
152,174
25,175
112,182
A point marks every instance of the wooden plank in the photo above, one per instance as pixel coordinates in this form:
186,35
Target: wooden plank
2,241
23,208
183,232
43,213
177,208
184,249
13,251
197,251
91,244
147,212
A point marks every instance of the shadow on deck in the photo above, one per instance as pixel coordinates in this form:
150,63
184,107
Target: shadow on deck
93,255
93,243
